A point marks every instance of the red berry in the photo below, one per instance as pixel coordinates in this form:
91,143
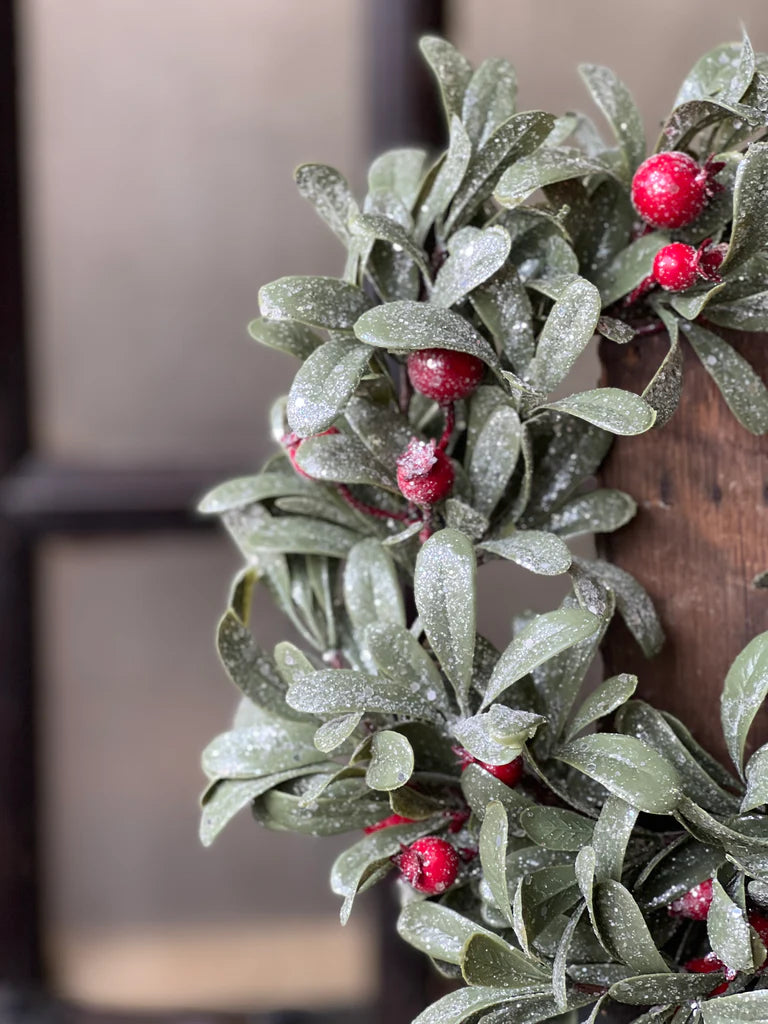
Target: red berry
424,473
509,773
393,819
708,965
676,267
431,865
293,442
695,903
669,190
444,375
760,924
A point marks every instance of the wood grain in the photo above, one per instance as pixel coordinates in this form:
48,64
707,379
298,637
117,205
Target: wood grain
699,538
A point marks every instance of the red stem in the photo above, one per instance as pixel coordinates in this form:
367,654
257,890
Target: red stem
450,423
369,510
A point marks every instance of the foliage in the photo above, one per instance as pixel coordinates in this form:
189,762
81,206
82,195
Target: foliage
516,245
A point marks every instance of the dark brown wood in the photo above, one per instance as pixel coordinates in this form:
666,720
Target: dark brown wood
699,538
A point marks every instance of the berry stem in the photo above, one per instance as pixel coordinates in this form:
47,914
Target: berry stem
404,395
450,423
370,510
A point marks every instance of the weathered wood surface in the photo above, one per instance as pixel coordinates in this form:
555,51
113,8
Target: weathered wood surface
699,538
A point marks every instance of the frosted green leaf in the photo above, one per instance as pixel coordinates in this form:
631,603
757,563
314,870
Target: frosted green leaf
498,735
323,504
330,194
463,517
686,121
749,313
535,550
474,256
293,535
447,180
628,768
615,101
751,1007
338,457
663,391
494,456
729,933
744,690
317,301
653,989
519,135
286,336
380,426
622,929
452,71
574,451
493,855
631,266
342,691
436,930
711,73
324,385
489,960
675,870
620,412
246,490
398,171
610,837
290,661
391,763
555,828
270,744
372,592
749,233
559,964
408,326
633,603
756,774
230,796
604,699
465,1004
480,789
568,330
445,593
505,309
546,636
691,305
398,654
740,386
600,511
373,226
548,166
616,330
332,734
490,98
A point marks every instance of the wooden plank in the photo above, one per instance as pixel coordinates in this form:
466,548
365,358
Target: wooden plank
699,538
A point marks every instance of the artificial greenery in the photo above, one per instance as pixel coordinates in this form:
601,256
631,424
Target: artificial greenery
516,246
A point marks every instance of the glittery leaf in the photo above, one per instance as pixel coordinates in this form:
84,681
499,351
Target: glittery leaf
545,167
729,933
324,385
245,490
493,853
600,511
497,736
397,654
516,137
372,591
616,330
574,451
391,763
744,690
270,744
330,194
339,457
342,691
746,314
452,71
604,700
474,256
398,171
663,391
295,339
623,930
740,386
654,989
756,774
437,930
489,960
737,1009
444,589
615,101
375,226
299,536
632,602
466,1003
409,326
331,734
711,74
535,550
631,266
546,636
568,330
686,120
447,180
749,233
620,412
556,828
627,767
494,457
505,309
317,301
490,98
692,304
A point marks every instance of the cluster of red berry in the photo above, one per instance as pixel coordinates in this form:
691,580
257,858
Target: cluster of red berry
670,190
431,864
694,906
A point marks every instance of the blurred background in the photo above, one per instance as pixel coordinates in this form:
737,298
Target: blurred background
158,140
